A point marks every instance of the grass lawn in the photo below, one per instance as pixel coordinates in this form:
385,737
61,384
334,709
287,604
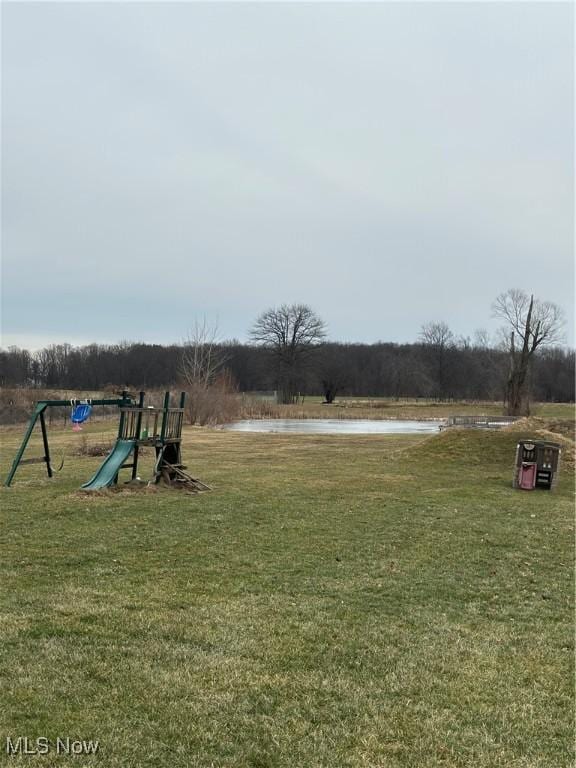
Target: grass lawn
334,601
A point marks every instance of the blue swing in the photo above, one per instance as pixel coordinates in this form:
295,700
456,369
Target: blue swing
80,413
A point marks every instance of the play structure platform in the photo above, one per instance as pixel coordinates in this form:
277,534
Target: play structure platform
139,425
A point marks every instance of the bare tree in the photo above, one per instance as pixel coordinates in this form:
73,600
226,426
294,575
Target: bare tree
438,338
436,334
530,324
202,359
202,369
481,339
291,333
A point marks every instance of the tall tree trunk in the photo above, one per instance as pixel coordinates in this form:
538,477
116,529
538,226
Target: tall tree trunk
329,390
517,395
517,399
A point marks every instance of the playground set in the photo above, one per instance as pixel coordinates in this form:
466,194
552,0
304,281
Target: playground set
139,426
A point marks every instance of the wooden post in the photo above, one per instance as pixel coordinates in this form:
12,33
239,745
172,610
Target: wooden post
164,416
40,408
121,422
138,428
45,441
180,424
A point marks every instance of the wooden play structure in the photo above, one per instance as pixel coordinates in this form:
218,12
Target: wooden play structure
139,426
536,465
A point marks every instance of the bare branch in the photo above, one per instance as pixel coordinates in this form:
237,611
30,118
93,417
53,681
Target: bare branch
201,359
289,327
545,319
533,323
291,333
436,334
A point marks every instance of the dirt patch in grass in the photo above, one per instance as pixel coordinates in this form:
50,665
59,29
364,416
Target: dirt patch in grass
127,489
90,448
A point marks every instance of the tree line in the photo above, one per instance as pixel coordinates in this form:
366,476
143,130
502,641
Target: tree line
456,369
288,353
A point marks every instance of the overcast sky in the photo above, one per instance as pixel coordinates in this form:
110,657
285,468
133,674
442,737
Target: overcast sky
389,164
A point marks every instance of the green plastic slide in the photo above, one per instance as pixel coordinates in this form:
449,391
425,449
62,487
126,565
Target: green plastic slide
111,466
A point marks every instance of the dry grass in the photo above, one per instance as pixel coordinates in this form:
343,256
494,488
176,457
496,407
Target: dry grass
219,405
358,601
387,408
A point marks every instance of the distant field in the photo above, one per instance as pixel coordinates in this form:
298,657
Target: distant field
16,405
390,408
334,601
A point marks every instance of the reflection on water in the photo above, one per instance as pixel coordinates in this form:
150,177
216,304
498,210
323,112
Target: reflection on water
336,426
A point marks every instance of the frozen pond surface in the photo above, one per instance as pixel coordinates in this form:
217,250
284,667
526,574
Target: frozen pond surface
336,426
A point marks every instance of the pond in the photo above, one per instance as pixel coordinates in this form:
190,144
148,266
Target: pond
336,426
